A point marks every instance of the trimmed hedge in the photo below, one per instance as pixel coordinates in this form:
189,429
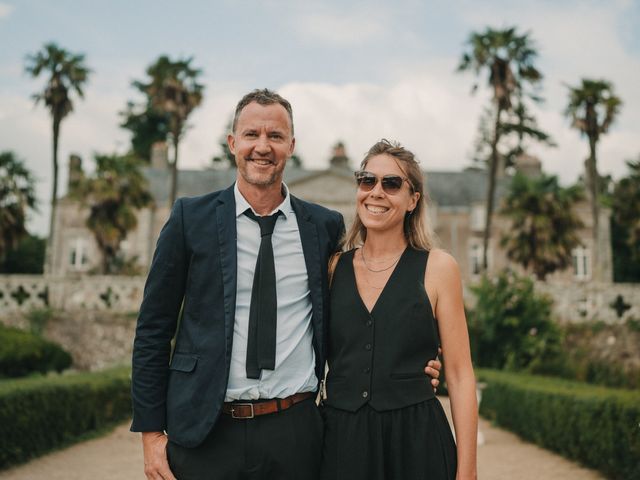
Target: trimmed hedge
598,426
40,414
22,353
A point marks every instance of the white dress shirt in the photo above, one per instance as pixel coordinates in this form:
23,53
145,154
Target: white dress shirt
295,359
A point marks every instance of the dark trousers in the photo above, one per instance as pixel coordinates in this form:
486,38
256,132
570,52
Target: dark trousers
280,446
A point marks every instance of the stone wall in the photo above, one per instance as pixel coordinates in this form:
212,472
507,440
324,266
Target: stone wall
88,292
94,316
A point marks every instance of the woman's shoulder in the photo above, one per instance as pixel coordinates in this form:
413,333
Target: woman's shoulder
442,264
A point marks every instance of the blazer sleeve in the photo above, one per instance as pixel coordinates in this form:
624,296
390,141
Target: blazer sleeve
157,321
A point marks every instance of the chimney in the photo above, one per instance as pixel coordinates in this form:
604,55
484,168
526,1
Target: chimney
339,158
528,165
160,155
76,174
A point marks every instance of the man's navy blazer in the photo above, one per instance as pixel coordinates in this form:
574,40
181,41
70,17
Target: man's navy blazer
194,268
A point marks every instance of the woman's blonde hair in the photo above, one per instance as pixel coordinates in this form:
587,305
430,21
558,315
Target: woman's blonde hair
416,228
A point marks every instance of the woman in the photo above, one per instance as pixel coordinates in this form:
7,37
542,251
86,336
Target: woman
382,418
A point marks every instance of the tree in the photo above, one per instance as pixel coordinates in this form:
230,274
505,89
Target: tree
113,193
226,157
625,235
67,73
173,92
544,227
592,108
147,127
17,197
508,58
26,257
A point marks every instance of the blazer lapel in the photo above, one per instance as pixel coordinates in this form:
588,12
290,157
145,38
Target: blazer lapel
311,250
227,245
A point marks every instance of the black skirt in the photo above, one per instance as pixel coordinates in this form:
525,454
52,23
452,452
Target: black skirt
411,443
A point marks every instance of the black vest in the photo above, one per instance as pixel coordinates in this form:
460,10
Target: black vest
379,357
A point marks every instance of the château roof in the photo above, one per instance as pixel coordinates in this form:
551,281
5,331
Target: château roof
446,189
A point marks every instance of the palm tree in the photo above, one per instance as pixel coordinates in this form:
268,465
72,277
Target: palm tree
592,108
508,58
113,193
17,196
544,227
173,91
67,72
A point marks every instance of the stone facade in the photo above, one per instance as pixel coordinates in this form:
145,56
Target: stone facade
456,212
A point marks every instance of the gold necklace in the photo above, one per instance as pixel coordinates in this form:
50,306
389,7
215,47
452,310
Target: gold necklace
364,260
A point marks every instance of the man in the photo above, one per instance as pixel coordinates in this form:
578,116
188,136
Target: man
236,397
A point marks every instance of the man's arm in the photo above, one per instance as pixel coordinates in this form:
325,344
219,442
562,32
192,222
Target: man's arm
157,320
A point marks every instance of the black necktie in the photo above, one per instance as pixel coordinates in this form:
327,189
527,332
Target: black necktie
261,342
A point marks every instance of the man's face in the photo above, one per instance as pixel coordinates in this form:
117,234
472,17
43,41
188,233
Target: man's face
262,143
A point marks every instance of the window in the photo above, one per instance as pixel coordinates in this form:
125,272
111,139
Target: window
581,263
78,259
475,259
478,216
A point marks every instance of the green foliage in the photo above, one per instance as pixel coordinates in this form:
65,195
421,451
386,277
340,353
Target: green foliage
544,227
147,127
38,319
26,257
588,358
113,193
17,197
40,414
594,425
625,225
511,326
633,324
23,353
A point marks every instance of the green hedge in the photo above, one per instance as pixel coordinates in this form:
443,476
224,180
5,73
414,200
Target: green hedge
22,353
40,414
598,426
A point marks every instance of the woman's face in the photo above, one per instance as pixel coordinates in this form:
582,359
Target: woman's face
382,210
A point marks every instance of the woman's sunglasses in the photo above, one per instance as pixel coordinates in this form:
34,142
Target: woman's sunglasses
391,184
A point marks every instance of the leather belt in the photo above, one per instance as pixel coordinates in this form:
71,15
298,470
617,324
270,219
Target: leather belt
250,410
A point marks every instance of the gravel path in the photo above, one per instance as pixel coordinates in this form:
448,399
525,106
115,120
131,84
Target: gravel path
118,456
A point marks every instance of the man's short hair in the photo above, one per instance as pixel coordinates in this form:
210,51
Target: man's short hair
262,97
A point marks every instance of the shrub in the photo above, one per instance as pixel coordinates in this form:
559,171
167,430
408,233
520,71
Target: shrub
39,414
594,425
511,326
22,353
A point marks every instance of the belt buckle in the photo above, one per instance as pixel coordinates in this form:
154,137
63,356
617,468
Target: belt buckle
233,413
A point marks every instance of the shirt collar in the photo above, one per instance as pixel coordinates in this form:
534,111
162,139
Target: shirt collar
242,204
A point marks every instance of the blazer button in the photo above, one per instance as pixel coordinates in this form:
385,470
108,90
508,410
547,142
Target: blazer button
365,394
367,346
366,370
369,323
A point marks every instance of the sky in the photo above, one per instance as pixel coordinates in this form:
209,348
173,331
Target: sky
353,71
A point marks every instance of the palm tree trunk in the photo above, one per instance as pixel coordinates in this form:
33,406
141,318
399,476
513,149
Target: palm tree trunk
48,263
593,179
174,174
493,169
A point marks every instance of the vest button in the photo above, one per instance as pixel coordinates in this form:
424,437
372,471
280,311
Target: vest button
365,394
367,346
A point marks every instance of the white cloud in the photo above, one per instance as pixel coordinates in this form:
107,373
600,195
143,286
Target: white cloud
5,10
340,29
